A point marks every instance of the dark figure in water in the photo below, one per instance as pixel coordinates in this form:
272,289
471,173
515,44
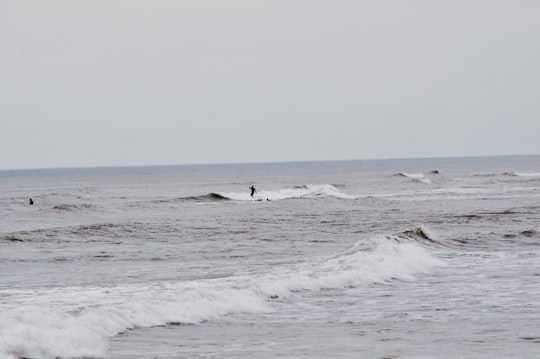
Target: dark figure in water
253,190
30,201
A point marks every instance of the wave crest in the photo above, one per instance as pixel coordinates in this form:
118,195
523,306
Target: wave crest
205,198
55,327
417,177
300,191
522,174
72,207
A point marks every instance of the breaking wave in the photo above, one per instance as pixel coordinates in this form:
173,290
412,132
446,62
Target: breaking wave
522,174
55,325
417,177
303,191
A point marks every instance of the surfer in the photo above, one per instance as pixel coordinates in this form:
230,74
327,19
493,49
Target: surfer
30,201
253,190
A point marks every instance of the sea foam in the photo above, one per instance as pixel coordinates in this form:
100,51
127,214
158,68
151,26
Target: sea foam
305,191
78,322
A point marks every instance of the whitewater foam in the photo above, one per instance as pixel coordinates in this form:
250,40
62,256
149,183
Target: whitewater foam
522,174
416,177
305,191
54,326
379,262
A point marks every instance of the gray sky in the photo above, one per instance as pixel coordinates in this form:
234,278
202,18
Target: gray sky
129,82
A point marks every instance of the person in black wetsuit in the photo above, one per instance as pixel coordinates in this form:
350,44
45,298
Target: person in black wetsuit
30,201
253,190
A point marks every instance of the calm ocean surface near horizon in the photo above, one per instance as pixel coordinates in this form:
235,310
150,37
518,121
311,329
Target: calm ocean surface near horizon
424,258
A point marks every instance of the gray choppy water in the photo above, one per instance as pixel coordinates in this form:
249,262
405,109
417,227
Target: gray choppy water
344,259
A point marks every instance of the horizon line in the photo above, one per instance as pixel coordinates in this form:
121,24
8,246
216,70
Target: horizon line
89,167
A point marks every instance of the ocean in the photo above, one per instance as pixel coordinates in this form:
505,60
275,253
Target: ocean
418,258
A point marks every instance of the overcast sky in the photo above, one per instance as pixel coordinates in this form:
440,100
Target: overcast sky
132,82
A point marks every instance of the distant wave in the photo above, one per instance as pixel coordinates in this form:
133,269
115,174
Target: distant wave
416,177
55,326
103,232
522,174
11,238
510,174
205,197
420,235
530,233
300,191
410,175
72,207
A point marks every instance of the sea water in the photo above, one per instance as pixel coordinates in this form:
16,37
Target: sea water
428,258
